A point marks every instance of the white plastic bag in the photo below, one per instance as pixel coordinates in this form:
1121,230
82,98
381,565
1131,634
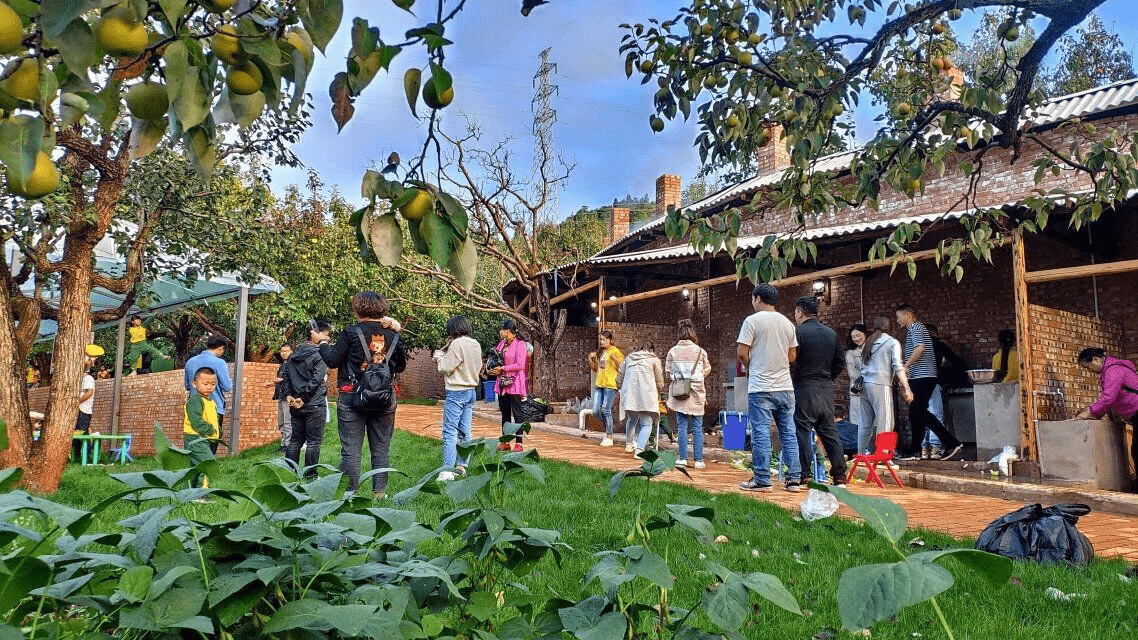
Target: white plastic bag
818,505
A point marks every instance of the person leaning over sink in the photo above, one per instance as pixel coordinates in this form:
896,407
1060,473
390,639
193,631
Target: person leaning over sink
1119,383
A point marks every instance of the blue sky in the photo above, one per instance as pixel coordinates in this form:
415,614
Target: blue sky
602,117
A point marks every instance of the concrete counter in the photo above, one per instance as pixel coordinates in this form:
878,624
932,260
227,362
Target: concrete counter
1090,451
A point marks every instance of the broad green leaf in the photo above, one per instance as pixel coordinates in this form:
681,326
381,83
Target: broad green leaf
300,71
145,136
364,39
201,152
609,572
411,80
386,237
464,489
19,576
174,9
438,236
886,517
299,614
463,264
76,45
441,78
369,185
729,604
135,583
482,605
177,608
417,239
771,588
349,619
322,20
697,518
874,592
996,568
653,568
19,145
75,521
10,477
456,216
57,14
246,109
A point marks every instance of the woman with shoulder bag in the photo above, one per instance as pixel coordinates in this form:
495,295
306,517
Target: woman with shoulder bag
374,338
881,361
640,378
686,368
510,386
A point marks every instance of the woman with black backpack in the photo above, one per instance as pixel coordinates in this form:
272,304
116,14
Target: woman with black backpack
366,352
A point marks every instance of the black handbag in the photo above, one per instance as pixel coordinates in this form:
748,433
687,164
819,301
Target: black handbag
1042,534
857,386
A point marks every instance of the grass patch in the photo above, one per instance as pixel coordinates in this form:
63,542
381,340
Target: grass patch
808,557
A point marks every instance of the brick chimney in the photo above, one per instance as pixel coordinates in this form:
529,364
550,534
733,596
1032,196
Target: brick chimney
618,224
668,192
773,156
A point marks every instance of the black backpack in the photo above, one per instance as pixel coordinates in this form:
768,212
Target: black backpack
375,387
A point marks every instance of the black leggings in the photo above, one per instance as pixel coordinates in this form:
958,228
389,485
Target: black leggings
510,406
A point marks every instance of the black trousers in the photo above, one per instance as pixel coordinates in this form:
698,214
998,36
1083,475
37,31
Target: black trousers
82,423
353,425
814,410
920,418
511,407
307,429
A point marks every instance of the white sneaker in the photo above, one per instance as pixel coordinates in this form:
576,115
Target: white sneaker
699,464
636,453
681,463
445,476
607,442
629,447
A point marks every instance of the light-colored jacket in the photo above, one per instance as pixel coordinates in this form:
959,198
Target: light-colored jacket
853,364
688,360
884,362
640,378
461,363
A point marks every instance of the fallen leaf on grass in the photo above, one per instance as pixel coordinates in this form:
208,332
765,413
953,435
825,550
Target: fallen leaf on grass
798,558
722,539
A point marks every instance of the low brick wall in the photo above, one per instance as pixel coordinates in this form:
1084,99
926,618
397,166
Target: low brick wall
421,378
161,398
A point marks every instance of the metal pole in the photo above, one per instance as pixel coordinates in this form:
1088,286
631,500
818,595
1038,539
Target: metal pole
116,393
235,415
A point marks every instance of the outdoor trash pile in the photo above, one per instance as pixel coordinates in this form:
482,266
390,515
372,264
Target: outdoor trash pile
1042,534
532,410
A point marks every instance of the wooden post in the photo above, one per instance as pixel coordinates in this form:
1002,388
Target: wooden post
1028,443
601,305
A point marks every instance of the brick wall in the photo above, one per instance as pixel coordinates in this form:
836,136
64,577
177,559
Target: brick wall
669,191
161,398
421,378
1057,338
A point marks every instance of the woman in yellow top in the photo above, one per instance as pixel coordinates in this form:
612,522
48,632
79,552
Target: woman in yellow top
1006,360
605,361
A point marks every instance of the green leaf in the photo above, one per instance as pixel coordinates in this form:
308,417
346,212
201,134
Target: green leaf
417,239
457,217
995,568
350,619
886,517
385,236
201,152
438,236
19,577
76,45
729,604
874,592
364,39
57,14
464,489
482,605
441,78
654,569
368,187
75,521
135,583
697,518
463,264
174,10
322,20
299,614
246,109
412,78
585,621
145,136
19,145
771,588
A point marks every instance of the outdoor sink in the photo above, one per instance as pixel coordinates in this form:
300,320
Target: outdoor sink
1089,451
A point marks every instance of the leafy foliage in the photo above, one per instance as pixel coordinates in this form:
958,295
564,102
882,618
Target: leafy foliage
1090,58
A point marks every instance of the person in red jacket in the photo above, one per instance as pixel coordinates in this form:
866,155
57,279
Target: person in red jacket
1119,382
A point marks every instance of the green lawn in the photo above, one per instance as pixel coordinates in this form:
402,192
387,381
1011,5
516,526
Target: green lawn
808,557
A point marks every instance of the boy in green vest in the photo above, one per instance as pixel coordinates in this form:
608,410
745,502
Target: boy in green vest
200,432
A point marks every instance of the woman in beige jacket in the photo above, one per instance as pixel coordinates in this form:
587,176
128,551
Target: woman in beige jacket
640,378
688,361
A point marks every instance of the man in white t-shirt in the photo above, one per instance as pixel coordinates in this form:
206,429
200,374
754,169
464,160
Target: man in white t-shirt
766,346
86,399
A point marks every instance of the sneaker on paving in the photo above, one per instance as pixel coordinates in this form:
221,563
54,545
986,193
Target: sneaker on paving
445,476
518,447
636,452
629,447
839,483
752,485
606,442
926,453
681,463
699,464
793,486
952,454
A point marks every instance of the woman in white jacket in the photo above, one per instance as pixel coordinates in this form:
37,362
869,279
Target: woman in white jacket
687,361
880,361
640,378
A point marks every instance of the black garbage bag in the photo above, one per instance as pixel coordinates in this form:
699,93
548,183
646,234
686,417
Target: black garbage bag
532,410
1046,535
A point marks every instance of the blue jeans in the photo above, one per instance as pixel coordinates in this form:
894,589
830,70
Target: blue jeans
603,398
763,407
682,421
638,424
456,423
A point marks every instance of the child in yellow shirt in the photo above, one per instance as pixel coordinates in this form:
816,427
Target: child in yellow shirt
200,428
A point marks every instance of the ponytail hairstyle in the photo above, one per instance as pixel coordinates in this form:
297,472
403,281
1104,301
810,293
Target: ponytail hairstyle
687,330
601,352
1007,340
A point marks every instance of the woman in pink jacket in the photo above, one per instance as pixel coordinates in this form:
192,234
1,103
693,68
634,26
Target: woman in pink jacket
1119,382
511,384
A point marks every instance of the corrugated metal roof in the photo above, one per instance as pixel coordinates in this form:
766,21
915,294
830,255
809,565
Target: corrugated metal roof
1053,111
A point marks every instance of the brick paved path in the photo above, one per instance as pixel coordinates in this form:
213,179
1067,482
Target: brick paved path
954,513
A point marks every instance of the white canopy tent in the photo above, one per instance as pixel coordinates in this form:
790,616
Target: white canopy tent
161,295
